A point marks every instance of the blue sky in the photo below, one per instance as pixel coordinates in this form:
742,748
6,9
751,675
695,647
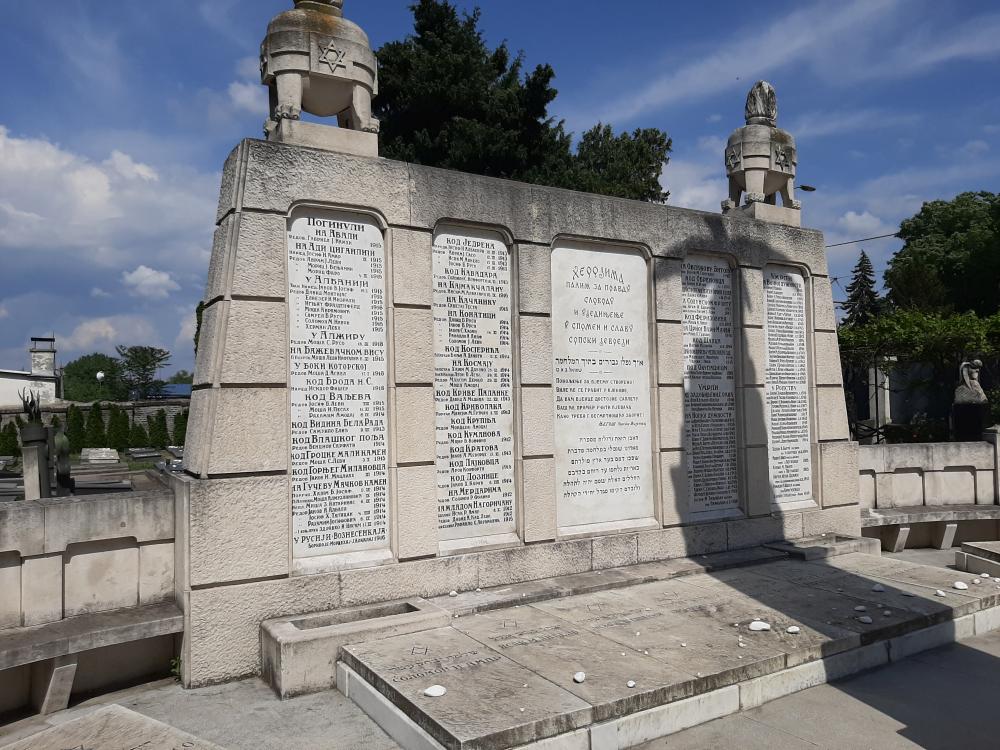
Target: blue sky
116,116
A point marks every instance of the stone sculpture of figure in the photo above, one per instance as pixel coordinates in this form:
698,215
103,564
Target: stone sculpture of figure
314,60
64,482
760,157
31,406
969,390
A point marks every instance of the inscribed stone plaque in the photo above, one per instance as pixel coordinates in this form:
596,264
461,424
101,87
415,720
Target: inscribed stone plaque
787,386
474,409
336,305
600,347
709,384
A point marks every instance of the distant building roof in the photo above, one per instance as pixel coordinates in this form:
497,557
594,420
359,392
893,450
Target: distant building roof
175,390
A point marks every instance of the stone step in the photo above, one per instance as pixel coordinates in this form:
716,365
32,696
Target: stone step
658,656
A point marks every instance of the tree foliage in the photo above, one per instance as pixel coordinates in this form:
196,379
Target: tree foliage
447,100
139,365
181,376
180,427
137,435
80,379
863,302
950,261
76,430
95,436
159,437
118,428
9,443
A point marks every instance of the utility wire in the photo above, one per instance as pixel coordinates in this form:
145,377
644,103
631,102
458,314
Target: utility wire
864,239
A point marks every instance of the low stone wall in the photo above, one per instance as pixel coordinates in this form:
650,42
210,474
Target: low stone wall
138,410
914,474
63,557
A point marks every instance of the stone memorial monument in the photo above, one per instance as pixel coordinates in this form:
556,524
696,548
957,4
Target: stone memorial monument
412,381
970,409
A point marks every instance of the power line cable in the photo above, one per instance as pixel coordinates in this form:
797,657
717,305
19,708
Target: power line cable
864,239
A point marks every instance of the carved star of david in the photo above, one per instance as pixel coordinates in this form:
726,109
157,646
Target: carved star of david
333,57
780,158
733,158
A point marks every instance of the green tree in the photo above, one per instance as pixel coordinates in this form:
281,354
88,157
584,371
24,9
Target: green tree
80,379
76,430
118,428
95,436
9,443
863,302
951,257
447,100
55,423
180,427
137,436
181,376
139,365
158,435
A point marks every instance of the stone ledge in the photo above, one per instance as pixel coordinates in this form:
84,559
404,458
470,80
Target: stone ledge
928,514
77,634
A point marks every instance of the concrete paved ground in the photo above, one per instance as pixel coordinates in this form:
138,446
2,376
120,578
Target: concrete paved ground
938,700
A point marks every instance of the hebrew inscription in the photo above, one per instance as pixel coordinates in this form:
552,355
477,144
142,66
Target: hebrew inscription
600,347
337,379
787,386
709,384
473,371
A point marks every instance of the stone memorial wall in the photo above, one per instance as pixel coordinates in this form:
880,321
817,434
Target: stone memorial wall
412,381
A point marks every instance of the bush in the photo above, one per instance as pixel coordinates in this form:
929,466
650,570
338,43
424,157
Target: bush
137,437
95,436
180,427
76,430
118,428
55,424
158,435
9,444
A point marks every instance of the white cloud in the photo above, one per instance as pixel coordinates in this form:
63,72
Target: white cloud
125,167
713,118
713,144
860,224
248,97
185,336
98,293
818,124
973,149
149,283
694,183
105,333
3,312
248,68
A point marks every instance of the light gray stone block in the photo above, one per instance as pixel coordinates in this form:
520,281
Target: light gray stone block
415,430
667,277
537,422
412,282
907,489
758,481
751,532
681,541
52,683
502,567
754,356
844,520
932,637
894,538
754,415
414,345
867,491
955,487
670,353
10,590
416,511
644,726
987,620
671,402
539,499
256,345
614,551
985,488
199,432
831,414
99,576
156,572
220,261
259,264
535,278
232,177
228,518
424,578
536,350
761,690
751,286
146,516
827,350
824,318
839,467
250,431
208,358
41,589
22,528
943,535
223,623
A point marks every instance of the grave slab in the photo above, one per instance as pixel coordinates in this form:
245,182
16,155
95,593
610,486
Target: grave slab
112,728
987,550
492,701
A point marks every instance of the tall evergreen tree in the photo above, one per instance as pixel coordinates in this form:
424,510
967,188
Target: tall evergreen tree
118,428
180,427
158,435
95,436
9,443
137,436
76,430
863,302
447,100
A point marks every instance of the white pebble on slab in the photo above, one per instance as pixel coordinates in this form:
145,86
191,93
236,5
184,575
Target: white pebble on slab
939,592
630,683
758,626
435,691
579,677
861,608
865,620
451,593
794,629
960,585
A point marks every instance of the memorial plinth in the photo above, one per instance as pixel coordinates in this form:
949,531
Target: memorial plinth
413,380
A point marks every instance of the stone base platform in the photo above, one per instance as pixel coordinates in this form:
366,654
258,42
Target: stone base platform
663,646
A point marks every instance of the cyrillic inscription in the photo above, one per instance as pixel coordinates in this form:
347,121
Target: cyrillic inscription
337,330
709,384
600,347
472,384
787,386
